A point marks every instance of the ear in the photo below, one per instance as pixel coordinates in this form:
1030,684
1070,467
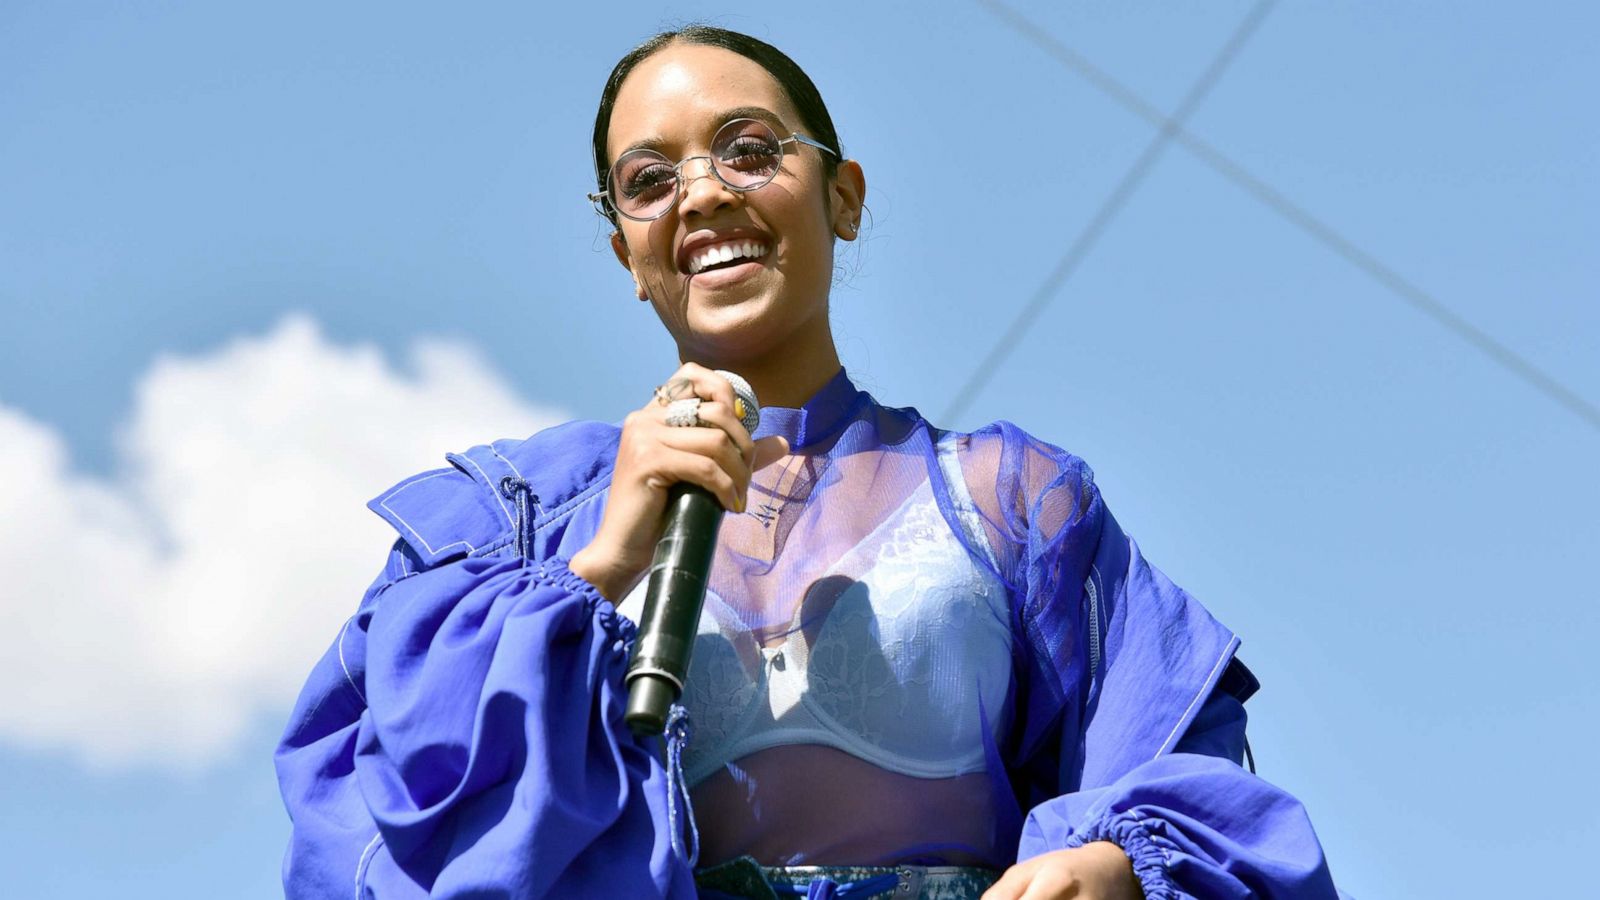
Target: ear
620,248
849,194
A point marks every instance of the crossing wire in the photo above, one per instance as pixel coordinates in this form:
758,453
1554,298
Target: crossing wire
1089,235
1170,129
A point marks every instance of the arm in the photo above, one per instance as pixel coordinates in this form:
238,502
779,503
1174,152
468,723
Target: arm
464,735
1191,823
333,834
1135,707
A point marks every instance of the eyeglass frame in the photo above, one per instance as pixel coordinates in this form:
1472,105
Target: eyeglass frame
602,199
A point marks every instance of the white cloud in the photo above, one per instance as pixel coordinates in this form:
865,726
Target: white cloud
153,616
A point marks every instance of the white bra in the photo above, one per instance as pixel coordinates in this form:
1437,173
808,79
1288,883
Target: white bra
910,665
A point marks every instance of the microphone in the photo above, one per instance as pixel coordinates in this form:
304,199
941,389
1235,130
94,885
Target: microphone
676,592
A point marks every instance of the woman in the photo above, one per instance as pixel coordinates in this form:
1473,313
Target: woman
924,657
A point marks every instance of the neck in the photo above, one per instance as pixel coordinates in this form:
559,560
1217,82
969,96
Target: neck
786,379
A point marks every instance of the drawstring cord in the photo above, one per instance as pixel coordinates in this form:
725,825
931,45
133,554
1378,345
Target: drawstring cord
679,731
521,493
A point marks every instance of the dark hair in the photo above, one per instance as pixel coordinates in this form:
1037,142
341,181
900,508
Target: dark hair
794,81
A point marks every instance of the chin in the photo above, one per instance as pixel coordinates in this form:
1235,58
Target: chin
730,334
725,316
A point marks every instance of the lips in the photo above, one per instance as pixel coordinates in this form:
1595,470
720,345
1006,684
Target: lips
708,249
717,254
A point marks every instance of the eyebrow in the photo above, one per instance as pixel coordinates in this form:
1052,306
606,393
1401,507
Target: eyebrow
728,115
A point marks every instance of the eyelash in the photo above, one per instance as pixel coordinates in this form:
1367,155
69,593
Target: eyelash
749,146
650,177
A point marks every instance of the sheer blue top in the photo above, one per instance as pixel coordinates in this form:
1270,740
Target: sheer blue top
919,646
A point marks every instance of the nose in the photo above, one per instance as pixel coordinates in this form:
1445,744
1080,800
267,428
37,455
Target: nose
703,191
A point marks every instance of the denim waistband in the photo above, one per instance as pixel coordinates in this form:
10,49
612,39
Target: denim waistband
745,879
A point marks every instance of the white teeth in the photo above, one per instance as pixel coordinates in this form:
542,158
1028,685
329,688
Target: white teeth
725,253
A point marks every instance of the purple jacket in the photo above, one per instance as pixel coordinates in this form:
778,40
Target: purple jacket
463,735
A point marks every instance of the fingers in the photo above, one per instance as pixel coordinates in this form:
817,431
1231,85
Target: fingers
1051,884
652,456
723,441
768,451
721,417
673,465
714,445
1015,880
695,380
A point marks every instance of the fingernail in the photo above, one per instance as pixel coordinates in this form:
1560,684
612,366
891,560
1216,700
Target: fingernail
738,408
738,505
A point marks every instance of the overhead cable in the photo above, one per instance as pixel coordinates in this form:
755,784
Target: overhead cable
1170,129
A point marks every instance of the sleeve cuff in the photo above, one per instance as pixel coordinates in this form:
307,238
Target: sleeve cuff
618,627
1141,839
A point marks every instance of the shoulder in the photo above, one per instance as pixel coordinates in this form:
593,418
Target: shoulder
462,510
1035,485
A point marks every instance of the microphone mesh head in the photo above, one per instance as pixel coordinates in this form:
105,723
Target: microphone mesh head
742,390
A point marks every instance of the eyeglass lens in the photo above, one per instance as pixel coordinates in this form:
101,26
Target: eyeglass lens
745,154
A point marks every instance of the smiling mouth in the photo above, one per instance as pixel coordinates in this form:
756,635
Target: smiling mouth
726,254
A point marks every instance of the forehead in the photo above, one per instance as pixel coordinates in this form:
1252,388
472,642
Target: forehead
676,94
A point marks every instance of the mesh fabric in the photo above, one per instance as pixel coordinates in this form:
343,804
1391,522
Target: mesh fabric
867,626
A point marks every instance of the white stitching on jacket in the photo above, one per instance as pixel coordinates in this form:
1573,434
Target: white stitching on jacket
343,665
507,460
364,861
493,488
402,519
1227,654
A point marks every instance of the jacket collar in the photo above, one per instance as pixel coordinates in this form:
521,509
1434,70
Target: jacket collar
819,419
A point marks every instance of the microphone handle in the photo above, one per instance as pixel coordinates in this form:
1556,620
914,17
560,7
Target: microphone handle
673,599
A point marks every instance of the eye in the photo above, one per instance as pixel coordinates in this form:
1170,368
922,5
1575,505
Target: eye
751,154
644,178
749,147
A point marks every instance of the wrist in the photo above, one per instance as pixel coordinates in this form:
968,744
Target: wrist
1113,857
1137,847
598,569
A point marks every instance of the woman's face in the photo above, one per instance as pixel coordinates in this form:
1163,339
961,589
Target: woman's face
673,102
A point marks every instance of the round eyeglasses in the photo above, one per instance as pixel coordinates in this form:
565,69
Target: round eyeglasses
745,154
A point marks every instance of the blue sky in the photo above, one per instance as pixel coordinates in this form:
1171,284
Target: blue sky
278,256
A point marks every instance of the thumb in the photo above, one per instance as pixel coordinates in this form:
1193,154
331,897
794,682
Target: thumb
768,451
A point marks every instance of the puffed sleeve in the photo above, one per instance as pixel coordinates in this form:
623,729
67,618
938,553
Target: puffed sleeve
1194,826
333,833
1146,719
464,736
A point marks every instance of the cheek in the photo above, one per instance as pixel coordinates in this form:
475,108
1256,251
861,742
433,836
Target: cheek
645,255
812,239
805,230
657,254
652,261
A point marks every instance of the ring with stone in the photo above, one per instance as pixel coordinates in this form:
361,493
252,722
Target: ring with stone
684,413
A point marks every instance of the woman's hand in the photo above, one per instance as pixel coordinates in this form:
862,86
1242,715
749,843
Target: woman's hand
1095,871
653,456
